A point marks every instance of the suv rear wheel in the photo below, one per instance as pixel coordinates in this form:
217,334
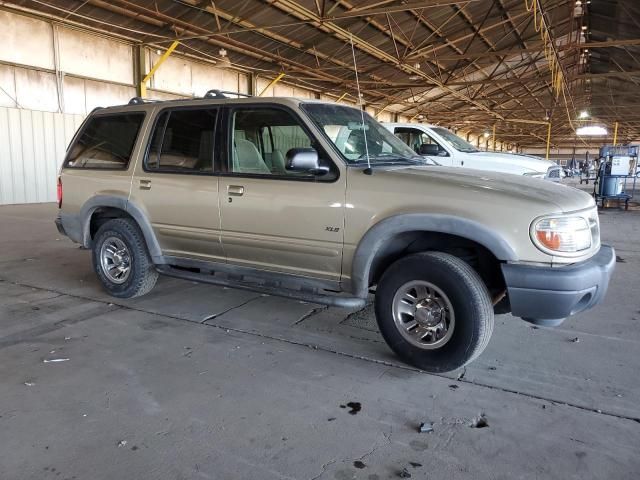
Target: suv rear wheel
434,311
121,260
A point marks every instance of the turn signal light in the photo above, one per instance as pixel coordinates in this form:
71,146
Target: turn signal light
562,234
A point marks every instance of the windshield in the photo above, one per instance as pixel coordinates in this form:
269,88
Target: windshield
455,141
343,127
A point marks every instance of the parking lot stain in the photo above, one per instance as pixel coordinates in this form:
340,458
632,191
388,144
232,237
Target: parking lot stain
359,464
354,407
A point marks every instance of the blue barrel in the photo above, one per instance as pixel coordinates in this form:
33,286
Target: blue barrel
611,186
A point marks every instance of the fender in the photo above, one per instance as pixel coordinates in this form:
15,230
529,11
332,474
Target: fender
382,232
122,203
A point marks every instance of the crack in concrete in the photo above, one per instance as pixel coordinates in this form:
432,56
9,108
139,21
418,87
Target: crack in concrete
216,315
324,468
344,354
310,314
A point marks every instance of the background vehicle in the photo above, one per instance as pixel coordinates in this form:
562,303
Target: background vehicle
451,150
306,199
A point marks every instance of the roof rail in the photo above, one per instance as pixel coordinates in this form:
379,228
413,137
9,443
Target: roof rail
221,94
140,101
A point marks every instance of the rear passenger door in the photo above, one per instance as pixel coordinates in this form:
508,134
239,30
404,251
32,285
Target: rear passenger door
176,185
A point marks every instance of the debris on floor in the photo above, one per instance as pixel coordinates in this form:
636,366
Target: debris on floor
462,374
55,360
479,422
122,443
354,407
453,386
415,464
574,340
29,384
492,368
404,473
619,259
425,427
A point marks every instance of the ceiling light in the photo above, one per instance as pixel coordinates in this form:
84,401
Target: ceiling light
584,27
416,65
486,134
591,131
584,114
222,52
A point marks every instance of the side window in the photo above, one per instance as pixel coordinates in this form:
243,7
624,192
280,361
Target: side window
261,138
106,141
414,138
182,142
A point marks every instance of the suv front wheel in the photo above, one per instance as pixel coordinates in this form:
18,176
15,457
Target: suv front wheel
121,260
434,311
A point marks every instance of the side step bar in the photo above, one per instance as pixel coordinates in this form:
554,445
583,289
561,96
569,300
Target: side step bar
306,296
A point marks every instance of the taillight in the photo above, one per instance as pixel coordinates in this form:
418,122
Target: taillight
59,192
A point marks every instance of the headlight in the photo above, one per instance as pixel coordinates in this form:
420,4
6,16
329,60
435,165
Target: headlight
569,234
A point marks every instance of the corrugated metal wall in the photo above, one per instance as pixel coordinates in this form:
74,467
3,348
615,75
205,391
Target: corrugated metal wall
32,147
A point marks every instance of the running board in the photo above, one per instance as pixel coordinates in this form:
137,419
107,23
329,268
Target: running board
335,300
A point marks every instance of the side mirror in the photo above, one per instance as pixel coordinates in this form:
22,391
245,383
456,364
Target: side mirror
304,160
429,149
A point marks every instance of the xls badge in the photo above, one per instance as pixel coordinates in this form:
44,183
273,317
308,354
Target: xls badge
332,229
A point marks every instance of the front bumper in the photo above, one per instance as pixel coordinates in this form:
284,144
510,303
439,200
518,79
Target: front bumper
547,295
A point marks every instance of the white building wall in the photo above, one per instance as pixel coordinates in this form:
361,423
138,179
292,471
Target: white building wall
32,147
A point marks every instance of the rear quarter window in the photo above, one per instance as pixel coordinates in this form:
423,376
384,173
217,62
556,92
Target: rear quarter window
105,142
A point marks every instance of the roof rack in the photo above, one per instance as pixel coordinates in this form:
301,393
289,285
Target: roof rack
221,94
140,101
210,94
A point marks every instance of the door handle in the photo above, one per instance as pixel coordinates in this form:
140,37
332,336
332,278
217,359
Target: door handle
235,190
145,184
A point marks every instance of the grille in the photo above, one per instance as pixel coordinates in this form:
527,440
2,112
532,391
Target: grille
553,172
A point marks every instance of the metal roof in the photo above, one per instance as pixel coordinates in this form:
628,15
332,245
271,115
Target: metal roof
463,64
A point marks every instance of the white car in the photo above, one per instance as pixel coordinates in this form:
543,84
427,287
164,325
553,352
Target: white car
453,151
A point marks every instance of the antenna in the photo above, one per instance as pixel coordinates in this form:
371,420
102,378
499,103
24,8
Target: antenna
368,171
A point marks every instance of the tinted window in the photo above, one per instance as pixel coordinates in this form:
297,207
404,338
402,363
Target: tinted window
183,141
261,139
106,141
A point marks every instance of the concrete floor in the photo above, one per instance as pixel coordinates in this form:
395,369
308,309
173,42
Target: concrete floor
193,381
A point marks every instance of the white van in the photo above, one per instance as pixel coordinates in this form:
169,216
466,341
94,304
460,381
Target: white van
453,151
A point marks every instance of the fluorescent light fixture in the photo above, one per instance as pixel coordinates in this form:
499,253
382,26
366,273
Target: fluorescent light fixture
584,114
591,131
486,134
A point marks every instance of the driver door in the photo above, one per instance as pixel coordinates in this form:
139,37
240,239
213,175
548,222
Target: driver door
271,218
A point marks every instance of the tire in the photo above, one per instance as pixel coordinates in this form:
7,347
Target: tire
450,292
123,236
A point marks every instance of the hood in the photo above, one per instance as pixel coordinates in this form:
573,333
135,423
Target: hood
484,183
527,162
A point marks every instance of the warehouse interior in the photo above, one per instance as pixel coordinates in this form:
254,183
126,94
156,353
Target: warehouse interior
207,381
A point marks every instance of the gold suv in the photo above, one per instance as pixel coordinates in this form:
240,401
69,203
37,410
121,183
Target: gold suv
318,201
